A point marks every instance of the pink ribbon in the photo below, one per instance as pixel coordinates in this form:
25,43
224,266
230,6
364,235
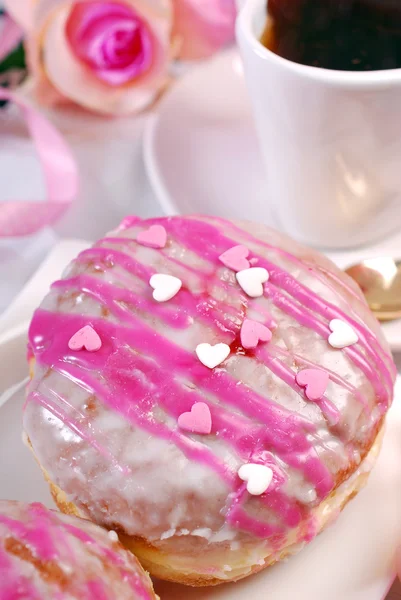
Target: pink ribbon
19,218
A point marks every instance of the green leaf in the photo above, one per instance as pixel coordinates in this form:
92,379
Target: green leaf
15,60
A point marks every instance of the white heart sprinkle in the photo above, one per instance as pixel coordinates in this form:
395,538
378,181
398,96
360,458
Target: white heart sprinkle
258,478
343,334
252,280
165,286
211,356
113,536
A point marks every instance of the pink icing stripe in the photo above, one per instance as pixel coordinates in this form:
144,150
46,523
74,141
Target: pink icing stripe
211,313
130,221
177,399
305,318
95,589
287,375
139,588
110,257
141,592
285,432
130,387
305,266
209,242
206,275
87,539
39,538
324,276
110,557
288,512
319,270
130,242
13,585
42,521
124,388
201,305
325,310
19,218
296,289
333,376
239,519
111,296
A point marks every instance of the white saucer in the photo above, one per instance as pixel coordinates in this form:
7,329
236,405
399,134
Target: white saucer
202,156
351,560
202,142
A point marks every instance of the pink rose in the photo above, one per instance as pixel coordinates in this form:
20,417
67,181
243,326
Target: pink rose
201,27
110,56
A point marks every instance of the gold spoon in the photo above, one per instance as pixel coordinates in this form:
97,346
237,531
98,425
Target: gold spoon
380,281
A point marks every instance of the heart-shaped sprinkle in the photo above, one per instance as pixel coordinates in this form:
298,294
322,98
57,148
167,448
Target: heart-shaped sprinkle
343,334
252,280
211,356
236,258
253,332
164,286
86,338
258,478
154,237
314,381
199,420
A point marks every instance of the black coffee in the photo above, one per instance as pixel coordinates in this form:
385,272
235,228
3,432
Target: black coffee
346,35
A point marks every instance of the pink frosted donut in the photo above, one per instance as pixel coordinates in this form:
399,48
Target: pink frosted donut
47,555
217,418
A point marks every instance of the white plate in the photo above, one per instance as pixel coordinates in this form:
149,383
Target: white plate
352,560
202,156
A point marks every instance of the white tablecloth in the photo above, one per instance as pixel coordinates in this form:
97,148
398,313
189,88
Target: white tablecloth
113,184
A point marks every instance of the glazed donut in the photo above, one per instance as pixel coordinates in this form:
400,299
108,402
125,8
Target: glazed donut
45,554
209,389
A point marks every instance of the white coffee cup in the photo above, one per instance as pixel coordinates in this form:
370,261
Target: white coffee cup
331,142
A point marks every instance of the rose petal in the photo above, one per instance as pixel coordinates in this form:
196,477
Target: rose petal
203,27
21,11
151,10
76,81
112,39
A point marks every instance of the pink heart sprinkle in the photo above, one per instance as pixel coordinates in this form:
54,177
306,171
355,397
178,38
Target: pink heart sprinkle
236,258
199,420
154,237
314,381
253,332
85,338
